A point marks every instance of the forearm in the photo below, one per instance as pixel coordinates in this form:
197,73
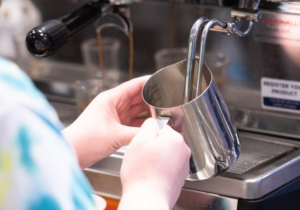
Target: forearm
86,153
143,198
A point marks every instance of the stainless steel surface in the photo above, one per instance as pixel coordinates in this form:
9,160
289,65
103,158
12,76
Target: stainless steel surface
249,4
239,15
282,0
255,153
195,200
252,15
192,47
240,22
204,122
123,2
109,185
253,184
259,181
246,32
229,29
104,183
262,53
118,18
163,121
204,34
113,20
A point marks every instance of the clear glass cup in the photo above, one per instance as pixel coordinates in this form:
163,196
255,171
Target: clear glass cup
217,62
87,90
110,55
169,56
61,71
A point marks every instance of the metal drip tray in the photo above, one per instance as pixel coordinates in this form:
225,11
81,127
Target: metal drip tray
265,164
255,153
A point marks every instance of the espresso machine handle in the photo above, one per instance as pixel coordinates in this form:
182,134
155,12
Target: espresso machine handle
46,39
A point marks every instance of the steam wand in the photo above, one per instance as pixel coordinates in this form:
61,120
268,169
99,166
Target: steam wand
204,25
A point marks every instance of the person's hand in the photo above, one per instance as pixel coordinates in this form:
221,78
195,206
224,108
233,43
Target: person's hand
108,122
154,168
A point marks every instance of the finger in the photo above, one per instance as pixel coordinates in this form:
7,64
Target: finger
148,131
124,108
137,99
126,134
130,90
167,130
137,109
186,166
137,122
122,105
128,114
168,133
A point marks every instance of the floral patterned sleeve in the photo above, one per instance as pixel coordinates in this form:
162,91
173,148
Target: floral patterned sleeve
38,168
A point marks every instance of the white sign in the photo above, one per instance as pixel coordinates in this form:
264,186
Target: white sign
281,95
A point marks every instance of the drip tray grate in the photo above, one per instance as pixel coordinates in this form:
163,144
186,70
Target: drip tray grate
255,153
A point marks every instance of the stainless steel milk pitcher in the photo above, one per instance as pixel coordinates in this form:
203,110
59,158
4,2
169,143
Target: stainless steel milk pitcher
186,94
204,122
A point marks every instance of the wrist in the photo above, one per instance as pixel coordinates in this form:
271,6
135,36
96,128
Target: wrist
80,147
143,197
89,148
67,134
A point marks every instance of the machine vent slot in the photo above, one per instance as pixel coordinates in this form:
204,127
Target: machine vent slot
255,153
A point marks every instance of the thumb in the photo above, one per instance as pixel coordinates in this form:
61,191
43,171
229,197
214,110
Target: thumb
149,131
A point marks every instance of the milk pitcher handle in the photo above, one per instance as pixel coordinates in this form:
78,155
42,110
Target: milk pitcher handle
163,121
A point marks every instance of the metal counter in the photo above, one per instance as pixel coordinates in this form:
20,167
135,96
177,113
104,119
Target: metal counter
266,164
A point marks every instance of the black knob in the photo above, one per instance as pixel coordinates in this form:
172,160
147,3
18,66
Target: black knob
47,38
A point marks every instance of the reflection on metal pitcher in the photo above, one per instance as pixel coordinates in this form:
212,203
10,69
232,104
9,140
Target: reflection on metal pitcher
204,122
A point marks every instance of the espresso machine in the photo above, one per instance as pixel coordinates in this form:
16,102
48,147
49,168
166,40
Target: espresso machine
261,89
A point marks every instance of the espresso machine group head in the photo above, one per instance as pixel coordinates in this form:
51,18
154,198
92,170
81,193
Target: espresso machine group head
46,39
